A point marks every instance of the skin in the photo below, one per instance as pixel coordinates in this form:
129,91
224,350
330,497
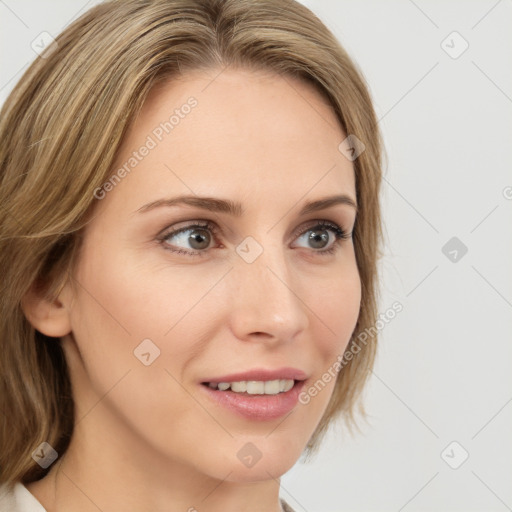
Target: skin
271,144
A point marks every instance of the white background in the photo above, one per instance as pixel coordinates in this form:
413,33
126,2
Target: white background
444,368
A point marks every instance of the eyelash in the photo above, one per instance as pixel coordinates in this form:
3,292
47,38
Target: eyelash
339,233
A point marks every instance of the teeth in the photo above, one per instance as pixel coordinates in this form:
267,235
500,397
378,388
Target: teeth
272,387
239,387
288,384
255,387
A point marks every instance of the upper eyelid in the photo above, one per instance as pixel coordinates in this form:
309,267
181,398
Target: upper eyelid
209,224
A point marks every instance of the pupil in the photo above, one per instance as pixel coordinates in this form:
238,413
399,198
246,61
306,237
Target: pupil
198,240
319,240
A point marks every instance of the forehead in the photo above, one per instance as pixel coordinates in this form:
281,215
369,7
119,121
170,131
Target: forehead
232,133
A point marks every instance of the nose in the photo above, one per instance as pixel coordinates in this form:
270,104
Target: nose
266,300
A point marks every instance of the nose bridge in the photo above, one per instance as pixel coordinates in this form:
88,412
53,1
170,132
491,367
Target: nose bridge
265,299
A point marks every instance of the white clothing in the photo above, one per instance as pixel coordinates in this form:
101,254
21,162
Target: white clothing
19,499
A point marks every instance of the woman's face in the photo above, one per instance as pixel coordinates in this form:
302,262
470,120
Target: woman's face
169,296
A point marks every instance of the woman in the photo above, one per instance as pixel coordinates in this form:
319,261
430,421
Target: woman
190,229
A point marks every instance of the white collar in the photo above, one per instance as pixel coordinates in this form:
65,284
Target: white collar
26,501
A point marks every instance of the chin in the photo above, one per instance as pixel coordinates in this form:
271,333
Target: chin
257,458
272,467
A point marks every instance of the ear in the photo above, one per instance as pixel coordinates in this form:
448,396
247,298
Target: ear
49,316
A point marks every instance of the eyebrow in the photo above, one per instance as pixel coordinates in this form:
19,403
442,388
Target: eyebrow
237,210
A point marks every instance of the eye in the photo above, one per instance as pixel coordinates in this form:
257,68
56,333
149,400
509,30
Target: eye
324,237
195,239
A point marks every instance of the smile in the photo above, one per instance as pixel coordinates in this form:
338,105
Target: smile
258,395
255,387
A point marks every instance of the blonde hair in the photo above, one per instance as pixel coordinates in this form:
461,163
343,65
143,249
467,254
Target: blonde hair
60,130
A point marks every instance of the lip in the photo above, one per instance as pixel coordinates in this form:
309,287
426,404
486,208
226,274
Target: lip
257,407
261,374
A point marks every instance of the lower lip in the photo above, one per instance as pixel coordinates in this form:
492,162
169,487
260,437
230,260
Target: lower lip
257,407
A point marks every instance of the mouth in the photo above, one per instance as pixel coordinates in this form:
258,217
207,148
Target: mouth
257,395
254,387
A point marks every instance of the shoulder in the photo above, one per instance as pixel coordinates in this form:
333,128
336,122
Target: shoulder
7,498
17,498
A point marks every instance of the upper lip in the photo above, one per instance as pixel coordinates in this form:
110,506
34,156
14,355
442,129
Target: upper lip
260,374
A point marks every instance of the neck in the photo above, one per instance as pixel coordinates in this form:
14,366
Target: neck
107,480
110,467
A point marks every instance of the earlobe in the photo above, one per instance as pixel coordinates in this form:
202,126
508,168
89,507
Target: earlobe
49,316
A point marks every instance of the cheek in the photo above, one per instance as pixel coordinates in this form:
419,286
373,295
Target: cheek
120,305
334,312
116,308
335,309
114,311
125,299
